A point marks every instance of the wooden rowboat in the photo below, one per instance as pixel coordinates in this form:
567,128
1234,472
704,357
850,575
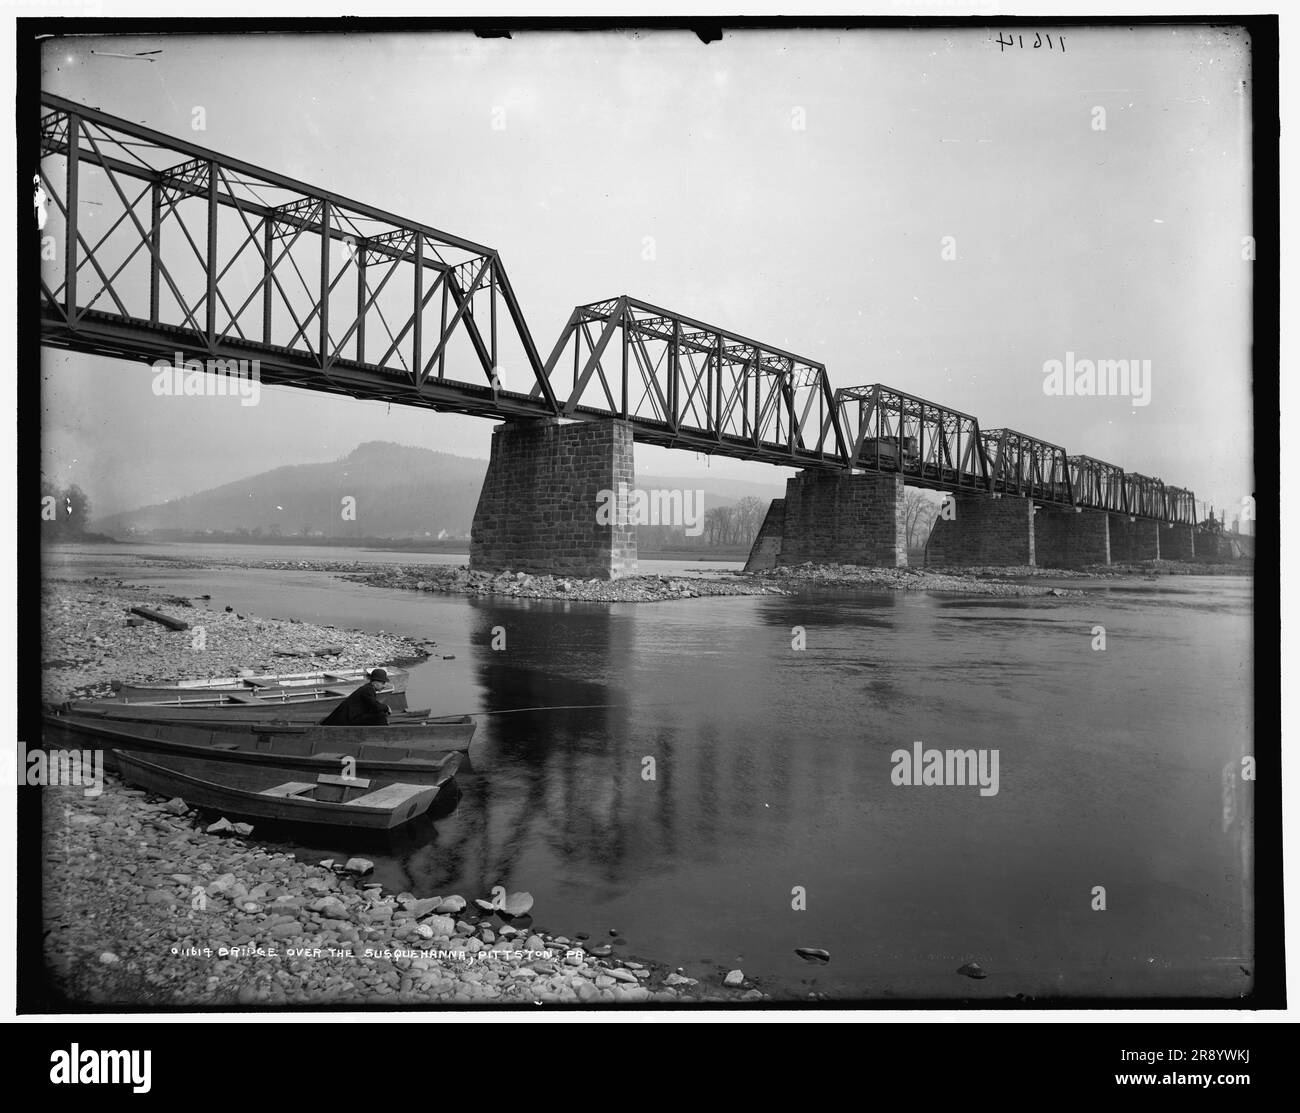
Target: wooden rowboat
323,684
269,793
223,706
401,737
418,764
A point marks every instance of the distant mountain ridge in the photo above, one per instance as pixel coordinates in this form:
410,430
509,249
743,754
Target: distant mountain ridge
398,490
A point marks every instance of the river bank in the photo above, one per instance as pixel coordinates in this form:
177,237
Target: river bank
143,907
87,643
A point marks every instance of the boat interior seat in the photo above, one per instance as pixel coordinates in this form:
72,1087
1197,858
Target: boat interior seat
390,796
342,782
290,788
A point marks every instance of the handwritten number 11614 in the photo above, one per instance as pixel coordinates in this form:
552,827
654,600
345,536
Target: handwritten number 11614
1018,41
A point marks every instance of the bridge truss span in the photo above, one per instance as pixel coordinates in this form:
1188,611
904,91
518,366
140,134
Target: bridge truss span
1028,467
1097,484
154,247
683,383
168,247
930,444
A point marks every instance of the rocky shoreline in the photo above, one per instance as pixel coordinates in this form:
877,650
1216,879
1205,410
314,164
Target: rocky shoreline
784,580
524,585
960,581
147,904
88,644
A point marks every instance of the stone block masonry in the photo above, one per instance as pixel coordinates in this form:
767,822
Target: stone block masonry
766,550
1070,539
1133,539
1177,542
1217,546
841,518
984,530
537,511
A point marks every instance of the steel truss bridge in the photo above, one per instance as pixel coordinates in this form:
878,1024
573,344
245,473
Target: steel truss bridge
153,246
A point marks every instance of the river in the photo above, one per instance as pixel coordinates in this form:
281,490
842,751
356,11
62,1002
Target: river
719,798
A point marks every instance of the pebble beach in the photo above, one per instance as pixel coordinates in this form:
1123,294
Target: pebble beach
145,907
87,643
149,903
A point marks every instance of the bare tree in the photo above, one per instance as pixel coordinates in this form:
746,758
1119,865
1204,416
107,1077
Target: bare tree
750,512
713,524
920,509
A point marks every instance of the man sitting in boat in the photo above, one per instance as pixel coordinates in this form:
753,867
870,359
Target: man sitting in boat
363,708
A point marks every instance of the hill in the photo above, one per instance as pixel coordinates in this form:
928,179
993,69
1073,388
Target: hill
398,491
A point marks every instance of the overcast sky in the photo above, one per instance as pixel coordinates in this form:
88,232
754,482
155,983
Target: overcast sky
826,239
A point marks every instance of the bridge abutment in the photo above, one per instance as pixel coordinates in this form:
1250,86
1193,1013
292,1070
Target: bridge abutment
834,518
1133,539
540,507
1071,539
984,530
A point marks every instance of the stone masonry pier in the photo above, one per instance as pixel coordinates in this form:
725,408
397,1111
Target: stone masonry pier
1177,541
834,518
1133,539
983,530
766,550
538,510
1071,538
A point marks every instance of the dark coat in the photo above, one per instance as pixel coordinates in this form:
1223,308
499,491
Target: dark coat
363,708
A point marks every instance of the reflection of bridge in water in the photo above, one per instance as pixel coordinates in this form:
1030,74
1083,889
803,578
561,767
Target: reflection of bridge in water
186,251
567,780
